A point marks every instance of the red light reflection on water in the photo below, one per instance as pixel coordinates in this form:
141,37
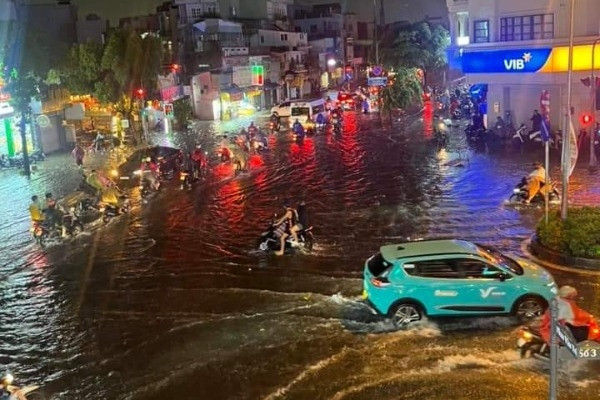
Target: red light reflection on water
428,118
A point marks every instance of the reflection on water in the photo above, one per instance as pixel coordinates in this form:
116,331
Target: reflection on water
174,301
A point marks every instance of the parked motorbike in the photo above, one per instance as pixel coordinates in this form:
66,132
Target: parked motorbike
15,392
37,155
520,193
269,241
523,137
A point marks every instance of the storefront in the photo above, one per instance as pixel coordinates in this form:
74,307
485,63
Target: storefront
10,133
231,99
517,77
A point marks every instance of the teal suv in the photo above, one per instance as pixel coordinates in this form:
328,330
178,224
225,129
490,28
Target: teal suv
408,281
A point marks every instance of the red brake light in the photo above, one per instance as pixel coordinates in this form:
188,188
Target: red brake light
379,283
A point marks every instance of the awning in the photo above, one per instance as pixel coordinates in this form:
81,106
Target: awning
233,92
271,85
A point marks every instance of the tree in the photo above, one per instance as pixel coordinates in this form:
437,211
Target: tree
82,70
22,87
405,90
419,45
182,112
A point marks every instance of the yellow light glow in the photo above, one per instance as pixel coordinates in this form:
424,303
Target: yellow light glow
558,61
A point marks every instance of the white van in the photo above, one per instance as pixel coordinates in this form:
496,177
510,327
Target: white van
306,110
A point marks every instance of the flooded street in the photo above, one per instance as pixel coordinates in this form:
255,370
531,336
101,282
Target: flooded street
173,301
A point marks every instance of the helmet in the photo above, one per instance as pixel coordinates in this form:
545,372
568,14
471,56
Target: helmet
286,203
567,292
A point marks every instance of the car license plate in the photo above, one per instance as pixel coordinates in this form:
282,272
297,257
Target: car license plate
364,294
521,342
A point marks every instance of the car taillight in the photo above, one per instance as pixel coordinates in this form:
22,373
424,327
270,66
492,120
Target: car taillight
377,282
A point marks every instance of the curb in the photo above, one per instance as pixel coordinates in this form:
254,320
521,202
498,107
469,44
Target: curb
581,271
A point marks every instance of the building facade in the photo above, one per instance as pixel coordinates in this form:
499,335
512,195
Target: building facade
519,49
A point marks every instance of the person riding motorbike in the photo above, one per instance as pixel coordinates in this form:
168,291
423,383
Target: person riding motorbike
35,211
113,197
274,120
321,120
252,129
535,181
95,181
570,315
289,220
297,128
150,173
301,223
52,214
200,161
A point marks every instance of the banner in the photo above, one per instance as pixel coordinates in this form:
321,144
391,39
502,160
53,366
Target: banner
573,150
545,108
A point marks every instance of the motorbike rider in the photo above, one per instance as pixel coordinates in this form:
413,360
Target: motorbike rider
569,314
536,122
150,173
35,211
289,220
535,181
200,162
94,180
321,120
301,223
50,211
78,154
113,197
478,122
274,120
252,129
297,128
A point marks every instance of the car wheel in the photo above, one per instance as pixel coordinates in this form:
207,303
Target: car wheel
405,314
529,307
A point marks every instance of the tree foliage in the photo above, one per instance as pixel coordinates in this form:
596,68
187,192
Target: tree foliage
114,71
405,91
420,45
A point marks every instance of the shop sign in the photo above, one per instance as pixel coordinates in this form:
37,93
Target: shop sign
171,93
6,109
43,121
505,61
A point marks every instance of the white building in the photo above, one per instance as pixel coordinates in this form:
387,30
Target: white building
276,38
256,9
520,48
191,11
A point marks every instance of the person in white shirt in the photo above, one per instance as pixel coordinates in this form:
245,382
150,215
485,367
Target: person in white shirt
535,181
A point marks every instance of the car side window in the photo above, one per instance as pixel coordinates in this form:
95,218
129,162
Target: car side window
476,269
286,104
432,269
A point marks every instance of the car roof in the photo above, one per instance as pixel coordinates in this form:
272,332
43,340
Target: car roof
427,248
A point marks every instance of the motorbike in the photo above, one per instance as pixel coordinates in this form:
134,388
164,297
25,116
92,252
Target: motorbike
109,211
336,123
41,232
37,155
269,241
531,344
274,127
523,137
475,135
185,181
440,131
520,193
19,393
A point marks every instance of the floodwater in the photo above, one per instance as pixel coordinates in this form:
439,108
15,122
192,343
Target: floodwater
174,302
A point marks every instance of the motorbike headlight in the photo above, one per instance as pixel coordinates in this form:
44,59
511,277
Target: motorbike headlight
516,190
114,173
8,379
137,172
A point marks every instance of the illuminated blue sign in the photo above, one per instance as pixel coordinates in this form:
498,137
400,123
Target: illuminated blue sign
511,61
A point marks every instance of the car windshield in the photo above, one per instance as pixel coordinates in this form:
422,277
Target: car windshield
494,256
298,111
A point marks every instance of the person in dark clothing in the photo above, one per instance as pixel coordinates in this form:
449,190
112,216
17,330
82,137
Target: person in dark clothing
478,121
536,121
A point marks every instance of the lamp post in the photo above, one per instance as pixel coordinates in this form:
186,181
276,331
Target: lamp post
376,34
593,89
566,153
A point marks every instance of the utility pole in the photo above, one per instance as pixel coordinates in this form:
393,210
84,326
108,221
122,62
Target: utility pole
593,90
376,32
566,152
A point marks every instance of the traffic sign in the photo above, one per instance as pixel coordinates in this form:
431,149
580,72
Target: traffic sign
567,339
380,81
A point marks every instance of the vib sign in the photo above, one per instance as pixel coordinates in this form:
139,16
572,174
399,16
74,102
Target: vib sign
522,60
528,60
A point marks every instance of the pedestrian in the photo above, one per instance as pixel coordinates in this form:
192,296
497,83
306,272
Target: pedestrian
78,154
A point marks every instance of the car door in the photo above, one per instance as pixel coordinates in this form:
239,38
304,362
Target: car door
435,284
485,286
